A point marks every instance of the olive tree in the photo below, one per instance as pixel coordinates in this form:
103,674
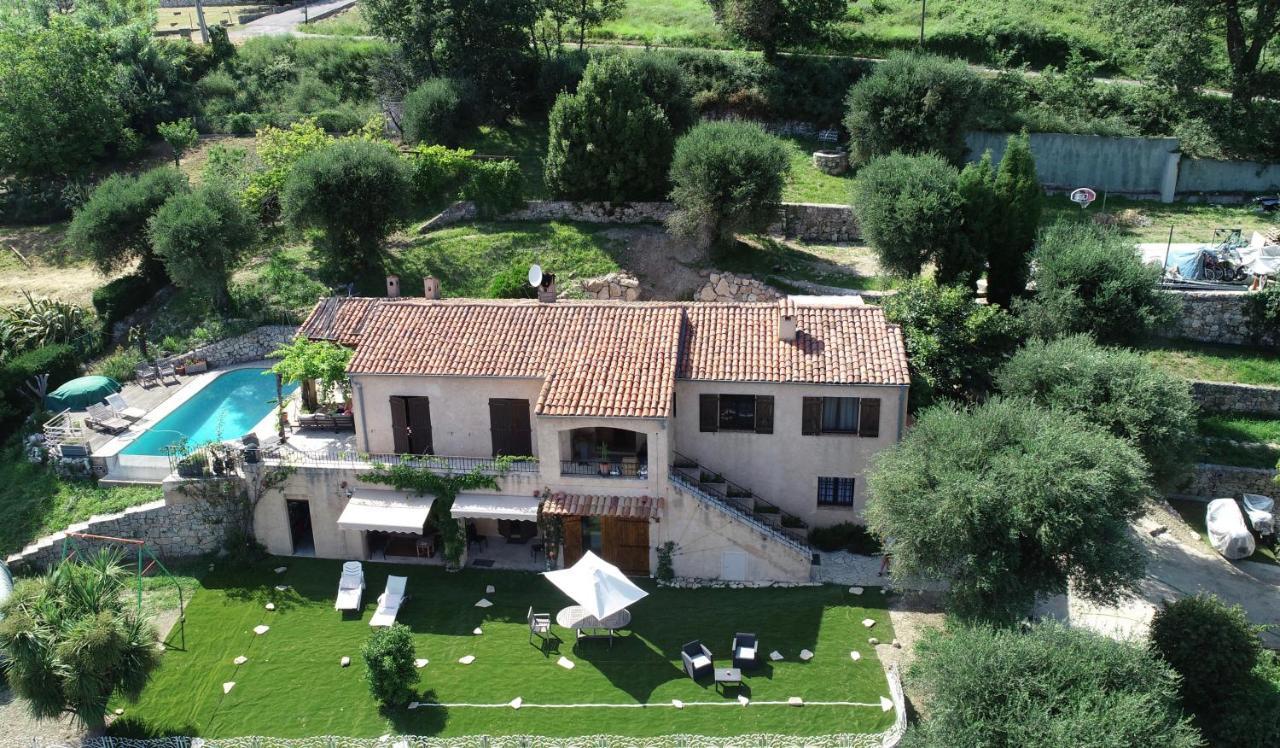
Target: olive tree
201,237
1008,501
72,640
111,226
727,177
355,192
181,136
770,24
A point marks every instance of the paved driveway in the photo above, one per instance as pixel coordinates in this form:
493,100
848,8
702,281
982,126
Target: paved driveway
287,22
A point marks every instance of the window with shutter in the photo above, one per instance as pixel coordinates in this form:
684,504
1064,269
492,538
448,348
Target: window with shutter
869,422
811,416
708,413
764,414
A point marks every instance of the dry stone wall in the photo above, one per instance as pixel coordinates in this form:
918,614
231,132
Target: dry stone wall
252,346
616,286
1214,317
1226,397
1219,481
730,287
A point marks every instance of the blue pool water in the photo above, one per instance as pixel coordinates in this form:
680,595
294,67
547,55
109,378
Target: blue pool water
227,408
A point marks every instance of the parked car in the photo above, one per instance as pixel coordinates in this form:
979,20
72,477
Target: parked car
1228,533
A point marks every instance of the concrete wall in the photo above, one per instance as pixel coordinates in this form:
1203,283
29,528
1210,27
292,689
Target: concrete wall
1219,481
1227,397
704,533
1203,175
1214,317
783,467
1134,166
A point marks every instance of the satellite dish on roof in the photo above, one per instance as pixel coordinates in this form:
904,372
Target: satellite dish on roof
535,276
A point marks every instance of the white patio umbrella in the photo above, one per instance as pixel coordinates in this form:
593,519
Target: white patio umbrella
596,585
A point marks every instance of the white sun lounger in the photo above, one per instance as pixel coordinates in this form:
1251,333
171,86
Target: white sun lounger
350,587
116,402
389,602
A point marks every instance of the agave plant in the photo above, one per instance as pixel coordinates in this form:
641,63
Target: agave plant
42,322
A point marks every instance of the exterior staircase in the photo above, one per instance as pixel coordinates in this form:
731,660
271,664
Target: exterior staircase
740,503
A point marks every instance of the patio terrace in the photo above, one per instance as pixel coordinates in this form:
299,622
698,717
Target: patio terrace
293,685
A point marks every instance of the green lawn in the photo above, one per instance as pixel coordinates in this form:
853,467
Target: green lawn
808,185
1241,428
36,502
1192,512
1191,222
1216,363
292,684
347,23
1218,452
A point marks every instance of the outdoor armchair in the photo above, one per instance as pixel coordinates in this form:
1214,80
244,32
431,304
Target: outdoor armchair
745,651
697,659
539,624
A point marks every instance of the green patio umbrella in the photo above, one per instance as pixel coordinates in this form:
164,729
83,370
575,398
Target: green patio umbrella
81,393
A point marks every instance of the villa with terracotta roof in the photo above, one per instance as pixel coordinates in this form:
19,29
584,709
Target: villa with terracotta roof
727,429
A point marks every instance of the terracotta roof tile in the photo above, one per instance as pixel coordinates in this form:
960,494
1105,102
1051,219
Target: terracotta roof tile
339,319
629,507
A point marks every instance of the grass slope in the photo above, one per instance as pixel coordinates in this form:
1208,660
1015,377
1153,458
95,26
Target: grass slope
1215,363
292,684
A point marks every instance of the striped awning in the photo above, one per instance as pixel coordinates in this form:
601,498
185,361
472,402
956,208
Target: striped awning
628,507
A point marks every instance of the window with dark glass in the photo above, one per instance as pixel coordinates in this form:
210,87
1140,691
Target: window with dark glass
840,415
835,491
737,413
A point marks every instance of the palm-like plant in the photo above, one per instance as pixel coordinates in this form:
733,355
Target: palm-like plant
42,322
72,640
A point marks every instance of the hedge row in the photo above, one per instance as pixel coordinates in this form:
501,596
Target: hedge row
60,362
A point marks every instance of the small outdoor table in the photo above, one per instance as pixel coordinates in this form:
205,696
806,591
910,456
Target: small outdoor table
577,618
728,676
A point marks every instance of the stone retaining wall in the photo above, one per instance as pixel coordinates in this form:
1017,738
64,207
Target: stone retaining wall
1218,481
252,346
1214,317
1227,397
806,221
172,527
730,287
617,286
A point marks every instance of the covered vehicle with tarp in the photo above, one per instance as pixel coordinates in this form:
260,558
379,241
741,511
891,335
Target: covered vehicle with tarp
80,393
1228,533
1261,512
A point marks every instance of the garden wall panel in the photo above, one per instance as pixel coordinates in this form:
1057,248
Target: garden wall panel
1203,175
1132,166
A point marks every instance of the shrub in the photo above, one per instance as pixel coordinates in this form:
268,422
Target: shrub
355,192
664,83
1089,280
1050,686
117,299
609,140
913,103
727,177
911,212
1008,501
1262,313
202,237
439,171
1114,389
340,119
844,536
560,74
953,344
435,112
511,282
279,151
60,362
1212,645
121,365
388,660
1021,202
181,136
111,227
496,187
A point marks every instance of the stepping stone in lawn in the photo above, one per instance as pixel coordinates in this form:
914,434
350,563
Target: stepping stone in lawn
806,655
868,622
281,587
885,704
420,663
488,590
477,631
484,603
271,606
516,702
226,687
795,701
281,569
775,655
240,660
677,703
413,705
345,662
467,660
260,629
873,641
565,663
855,590
743,700
855,655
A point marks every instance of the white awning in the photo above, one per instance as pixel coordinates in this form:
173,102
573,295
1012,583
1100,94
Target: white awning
388,511
485,506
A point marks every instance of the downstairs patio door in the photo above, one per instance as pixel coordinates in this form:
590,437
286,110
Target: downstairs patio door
626,544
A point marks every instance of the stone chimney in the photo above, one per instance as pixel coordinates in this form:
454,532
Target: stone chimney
393,286
431,287
547,289
787,320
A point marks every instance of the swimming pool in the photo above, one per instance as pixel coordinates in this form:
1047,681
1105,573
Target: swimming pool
226,408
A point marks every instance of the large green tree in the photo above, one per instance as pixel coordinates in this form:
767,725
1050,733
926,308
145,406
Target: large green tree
58,108
727,178
1050,687
771,24
355,192
111,226
201,237
913,103
1008,501
73,641
1021,203
1114,388
608,140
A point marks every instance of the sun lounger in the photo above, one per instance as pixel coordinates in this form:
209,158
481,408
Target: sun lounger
389,602
145,374
117,403
104,419
350,587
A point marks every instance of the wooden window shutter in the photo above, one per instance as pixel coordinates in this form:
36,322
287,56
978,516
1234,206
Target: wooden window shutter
764,414
869,417
399,425
500,426
811,416
420,441
708,412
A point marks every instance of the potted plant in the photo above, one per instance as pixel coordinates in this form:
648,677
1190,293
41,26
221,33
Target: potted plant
193,465
197,365
605,465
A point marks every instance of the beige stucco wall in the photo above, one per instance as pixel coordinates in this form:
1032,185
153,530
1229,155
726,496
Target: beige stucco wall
703,534
783,467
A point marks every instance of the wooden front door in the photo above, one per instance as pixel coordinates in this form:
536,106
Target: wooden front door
411,425
572,535
626,544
